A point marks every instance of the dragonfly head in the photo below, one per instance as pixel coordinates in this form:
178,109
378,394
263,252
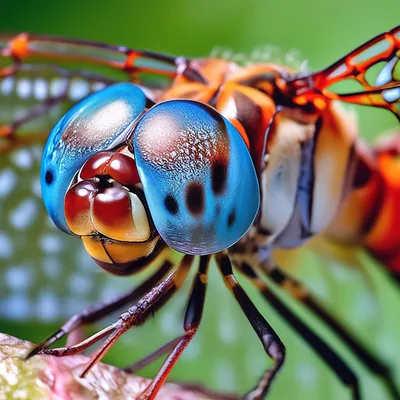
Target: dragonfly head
123,177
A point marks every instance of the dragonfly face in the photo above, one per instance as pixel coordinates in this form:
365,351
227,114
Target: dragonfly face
197,180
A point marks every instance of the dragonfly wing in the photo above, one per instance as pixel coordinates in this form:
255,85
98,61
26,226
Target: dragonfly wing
373,69
41,77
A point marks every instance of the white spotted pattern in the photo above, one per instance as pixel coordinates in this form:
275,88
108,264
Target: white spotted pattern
98,86
80,284
50,244
78,89
24,214
7,86
58,87
22,158
24,88
6,246
47,306
16,306
8,181
51,267
18,277
40,89
36,189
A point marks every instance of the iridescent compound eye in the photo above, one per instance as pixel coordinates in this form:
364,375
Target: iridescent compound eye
99,122
197,175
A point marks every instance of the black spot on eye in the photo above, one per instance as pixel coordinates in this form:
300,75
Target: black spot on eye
49,177
218,177
195,198
171,205
231,218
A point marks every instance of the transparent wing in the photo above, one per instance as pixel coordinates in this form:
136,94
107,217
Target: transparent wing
371,72
24,46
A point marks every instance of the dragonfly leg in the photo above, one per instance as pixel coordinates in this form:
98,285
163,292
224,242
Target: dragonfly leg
300,292
192,320
153,356
94,313
135,316
187,386
272,344
333,360
197,296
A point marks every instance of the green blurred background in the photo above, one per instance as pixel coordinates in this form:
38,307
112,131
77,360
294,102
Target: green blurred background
46,277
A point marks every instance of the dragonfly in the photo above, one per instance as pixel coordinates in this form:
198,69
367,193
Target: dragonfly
215,161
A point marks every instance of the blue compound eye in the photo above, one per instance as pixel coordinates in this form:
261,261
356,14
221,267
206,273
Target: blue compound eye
99,122
197,176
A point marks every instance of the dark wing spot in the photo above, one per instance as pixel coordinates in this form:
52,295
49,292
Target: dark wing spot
195,198
231,218
218,177
49,177
171,204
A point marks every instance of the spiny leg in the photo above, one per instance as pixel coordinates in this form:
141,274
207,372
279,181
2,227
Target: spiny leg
149,304
135,316
332,359
270,340
297,290
94,313
194,312
199,282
